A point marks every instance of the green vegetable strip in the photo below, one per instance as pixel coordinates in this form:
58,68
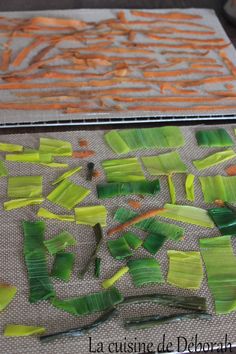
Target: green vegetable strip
20,203
145,271
188,214
68,194
44,213
123,170
119,248
35,258
63,266
189,187
224,219
185,269
13,330
214,159
91,215
214,138
115,141
25,187
220,261
97,267
164,164
10,147
218,187
30,157
151,225
172,189
7,294
133,240
111,190
110,282
55,147
66,175
88,304
60,242
3,169
154,242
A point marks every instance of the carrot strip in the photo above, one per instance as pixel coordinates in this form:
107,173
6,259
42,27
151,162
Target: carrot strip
186,40
168,15
121,16
208,80
134,204
65,67
177,46
180,109
6,57
231,170
23,54
121,50
183,52
42,53
166,86
83,154
206,66
83,143
40,107
228,62
167,99
46,21
150,74
96,173
229,86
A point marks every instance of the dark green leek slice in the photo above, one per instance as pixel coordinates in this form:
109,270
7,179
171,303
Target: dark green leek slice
63,266
60,242
214,138
133,240
145,271
90,170
154,242
224,219
119,248
97,267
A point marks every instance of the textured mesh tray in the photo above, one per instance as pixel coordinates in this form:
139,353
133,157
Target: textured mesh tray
13,270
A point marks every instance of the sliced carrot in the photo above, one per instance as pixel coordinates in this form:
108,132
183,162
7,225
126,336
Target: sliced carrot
229,86
83,143
24,52
177,46
83,154
206,66
184,52
228,62
65,67
208,80
42,53
222,93
219,202
46,21
6,57
96,173
187,39
166,99
166,86
150,74
134,204
121,16
179,109
231,170
121,50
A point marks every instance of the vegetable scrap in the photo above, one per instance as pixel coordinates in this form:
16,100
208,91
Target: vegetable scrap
21,202
119,248
106,284
214,159
135,204
3,169
91,215
164,164
133,240
225,219
66,175
7,147
55,147
25,187
231,170
63,265
83,154
189,187
145,271
214,138
7,294
90,170
218,187
153,242
59,242
123,170
16,330
97,267
35,157
46,214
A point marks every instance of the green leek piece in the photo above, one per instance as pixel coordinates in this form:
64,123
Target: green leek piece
151,225
145,271
185,269
66,175
164,164
68,194
55,147
224,219
172,189
3,169
25,187
35,157
189,187
108,283
214,138
220,261
35,258
111,190
214,159
20,203
63,265
6,147
60,242
115,141
188,214
91,215
88,304
119,248
7,294
133,240
123,170
97,267
218,187
44,213
13,330
154,242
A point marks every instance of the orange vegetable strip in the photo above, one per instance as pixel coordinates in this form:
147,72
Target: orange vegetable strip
121,16
120,50
167,99
23,54
42,53
183,52
184,39
229,86
83,154
193,60
65,67
177,46
134,204
206,66
46,21
228,62
166,86
6,57
231,170
208,80
79,110
168,15
170,108
35,106
150,74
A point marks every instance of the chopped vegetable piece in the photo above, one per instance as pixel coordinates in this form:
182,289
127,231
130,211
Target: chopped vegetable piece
145,271
110,282
44,213
225,219
97,267
218,187
3,169
220,261
188,214
60,242
13,330
83,154
68,194
90,167
83,143
185,269
214,138
151,225
133,240
116,143
135,204
154,242
66,175
91,215
172,189
119,248
123,170
231,170
6,147
189,187
214,159
25,187
164,164
7,294
55,147
63,265
20,203
31,156
88,304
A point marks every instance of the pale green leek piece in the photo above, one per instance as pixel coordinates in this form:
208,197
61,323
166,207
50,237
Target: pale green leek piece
3,169
7,147
218,188
164,164
44,213
21,202
189,187
59,242
111,281
66,175
214,159
25,187
13,330
91,215
145,271
55,147
123,170
172,189
7,294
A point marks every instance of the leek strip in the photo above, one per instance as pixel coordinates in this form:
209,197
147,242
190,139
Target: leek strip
13,330
185,269
3,169
218,188
7,294
145,271
111,190
133,240
164,164
20,203
214,159
66,175
91,215
123,170
151,225
116,143
154,242
189,187
88,304
44,213
220,261
119,248
63,266
111,281
60,242
25,187
172,189
30,157
68,194
188,214
97,267
224,219
55,147
214,138
6,147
